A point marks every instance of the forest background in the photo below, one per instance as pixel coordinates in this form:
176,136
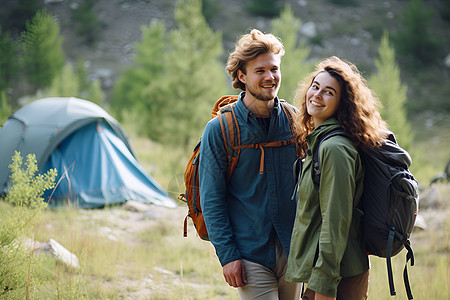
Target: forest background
158,67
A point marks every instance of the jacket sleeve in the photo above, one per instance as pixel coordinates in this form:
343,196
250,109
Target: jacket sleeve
213,192
336,193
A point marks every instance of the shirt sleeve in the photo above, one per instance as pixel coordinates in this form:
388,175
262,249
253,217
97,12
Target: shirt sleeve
213,192
336,193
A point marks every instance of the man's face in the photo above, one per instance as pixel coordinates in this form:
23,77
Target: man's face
263,76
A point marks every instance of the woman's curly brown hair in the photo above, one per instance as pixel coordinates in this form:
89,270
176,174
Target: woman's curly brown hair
248,48
358,109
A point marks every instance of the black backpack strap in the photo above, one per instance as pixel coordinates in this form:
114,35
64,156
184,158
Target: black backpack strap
316,171
388,260
409,256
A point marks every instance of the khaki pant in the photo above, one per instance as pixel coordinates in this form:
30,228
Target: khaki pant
350,288
267,284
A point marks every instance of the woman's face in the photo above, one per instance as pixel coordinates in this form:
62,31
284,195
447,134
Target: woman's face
323,97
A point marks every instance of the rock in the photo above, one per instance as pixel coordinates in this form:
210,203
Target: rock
63,254
56,250
309,29
302,3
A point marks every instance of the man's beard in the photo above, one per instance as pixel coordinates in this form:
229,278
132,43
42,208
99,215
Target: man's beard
260,96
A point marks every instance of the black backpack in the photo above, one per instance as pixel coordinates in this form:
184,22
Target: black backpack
389,201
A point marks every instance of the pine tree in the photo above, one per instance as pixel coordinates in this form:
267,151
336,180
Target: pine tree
141,88
95,93
5,108
413,41
65,84
89,90
388,87
8,63
43,57
196,75
294,66
88,23
175,79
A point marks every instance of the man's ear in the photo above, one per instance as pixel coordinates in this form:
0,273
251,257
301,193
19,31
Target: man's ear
241,76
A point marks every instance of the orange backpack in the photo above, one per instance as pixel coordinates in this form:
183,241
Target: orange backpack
223,109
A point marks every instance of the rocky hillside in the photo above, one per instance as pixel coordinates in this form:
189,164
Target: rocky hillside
351,32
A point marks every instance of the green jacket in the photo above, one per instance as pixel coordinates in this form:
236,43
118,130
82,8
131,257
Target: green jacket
326,240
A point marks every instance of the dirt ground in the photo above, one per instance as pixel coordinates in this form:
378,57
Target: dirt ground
125,223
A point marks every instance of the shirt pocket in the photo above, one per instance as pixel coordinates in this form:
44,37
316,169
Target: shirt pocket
286,157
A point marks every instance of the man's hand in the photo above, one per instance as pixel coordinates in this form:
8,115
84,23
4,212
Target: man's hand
234,273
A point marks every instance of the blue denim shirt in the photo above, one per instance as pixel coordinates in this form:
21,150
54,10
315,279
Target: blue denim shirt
245,214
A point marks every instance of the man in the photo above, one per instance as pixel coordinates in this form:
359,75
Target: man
250,215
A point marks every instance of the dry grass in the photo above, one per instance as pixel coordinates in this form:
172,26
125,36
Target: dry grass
124,255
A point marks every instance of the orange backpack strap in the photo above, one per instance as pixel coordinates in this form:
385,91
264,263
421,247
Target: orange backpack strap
231,136
261,147
290,112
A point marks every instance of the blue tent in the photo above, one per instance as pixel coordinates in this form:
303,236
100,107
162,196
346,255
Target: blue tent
95,162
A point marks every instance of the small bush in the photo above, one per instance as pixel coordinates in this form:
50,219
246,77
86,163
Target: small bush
25,204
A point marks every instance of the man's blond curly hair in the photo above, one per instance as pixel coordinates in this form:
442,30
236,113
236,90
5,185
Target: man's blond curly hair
249,47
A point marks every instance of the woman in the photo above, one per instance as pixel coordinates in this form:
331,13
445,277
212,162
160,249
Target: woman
326,248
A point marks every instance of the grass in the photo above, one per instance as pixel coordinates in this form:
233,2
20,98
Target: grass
156,262
121,255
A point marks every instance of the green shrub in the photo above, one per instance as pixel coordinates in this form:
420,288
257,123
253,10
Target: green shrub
25,204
